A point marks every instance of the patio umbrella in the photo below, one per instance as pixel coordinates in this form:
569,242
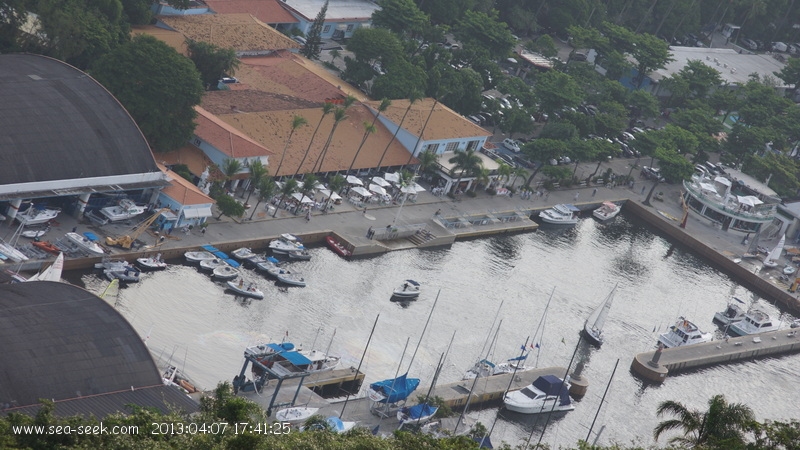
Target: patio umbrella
377,189
393,177
301,198
361,191
327,194
380,182
408,189
354,180
418,188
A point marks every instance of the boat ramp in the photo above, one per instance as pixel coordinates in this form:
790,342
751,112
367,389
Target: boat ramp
656,365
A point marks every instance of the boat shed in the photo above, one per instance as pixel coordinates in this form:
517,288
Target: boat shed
64,137
64,343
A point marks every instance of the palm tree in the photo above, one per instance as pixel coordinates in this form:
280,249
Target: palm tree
326,109
339,114
266,189
481,177
335,185
289,188
504,171
465,163
370,129
413,97
722,426
309,184
257,172
297,122
518,172
230,167
427,162
425,125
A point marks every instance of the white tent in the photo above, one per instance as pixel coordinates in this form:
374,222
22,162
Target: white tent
749,200
334,196
377,189
354,180
408,189
301,198
392,177
361,191
708,187
380,182
723,181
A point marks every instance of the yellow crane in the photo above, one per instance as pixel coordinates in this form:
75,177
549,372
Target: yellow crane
127,240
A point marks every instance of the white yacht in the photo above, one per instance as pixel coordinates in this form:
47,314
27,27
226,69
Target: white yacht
35,215
85,244
732,314
126,209
561,214
683,333
547,393
606,211
755,321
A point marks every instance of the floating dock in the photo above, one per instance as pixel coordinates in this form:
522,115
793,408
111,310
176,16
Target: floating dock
656,365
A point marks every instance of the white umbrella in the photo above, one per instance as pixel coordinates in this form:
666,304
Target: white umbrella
408,189
393,177
327,194
319,186
354,180
418,188
301,198
361,191
380,182
377,189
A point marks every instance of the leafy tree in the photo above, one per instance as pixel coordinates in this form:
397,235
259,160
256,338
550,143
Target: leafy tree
357,72
721,426
428,161
504,171
447,11
266,190
400,16
464,163
543,45
543,150
230,167
611,120
723,100
481,177
790,74
225,405
484,31
651,53
228,206
678,87
776,435
14,14
463,90
313,43
699,121
376,44
781,170
701,77
212,61
557,90
558,130
158,86
310,182
297,122
401,77
289,188
137,11
744,140
518,90
336,184
516,120
642,105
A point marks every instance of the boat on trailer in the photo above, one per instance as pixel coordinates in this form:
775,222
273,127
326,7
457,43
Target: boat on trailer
85,244
36,215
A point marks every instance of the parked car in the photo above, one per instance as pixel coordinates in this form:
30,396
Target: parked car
711,167
779,47
507,159
749,44
511,144
652,173
475,119
700,170
300,40
229,80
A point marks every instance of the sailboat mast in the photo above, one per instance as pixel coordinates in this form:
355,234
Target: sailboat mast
316,336
608,385
423,331
433,382
358,370
328,349
563,380
489,334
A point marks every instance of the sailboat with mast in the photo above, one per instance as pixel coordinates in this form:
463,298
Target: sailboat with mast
593,327
772,259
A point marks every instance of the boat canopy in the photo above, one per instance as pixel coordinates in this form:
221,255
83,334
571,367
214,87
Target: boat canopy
296,358
412,282
419,411
395,389
552,385
209,248
282,347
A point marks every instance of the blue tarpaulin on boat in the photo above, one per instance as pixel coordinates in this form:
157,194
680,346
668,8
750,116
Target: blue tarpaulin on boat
419,411
233,263
282,347
91,236
209,248
296,358
552,385
220,255
395,389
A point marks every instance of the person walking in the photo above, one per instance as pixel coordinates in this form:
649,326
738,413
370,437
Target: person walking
369,233
308,216
594,192
575,197
203,231
643,188
365,210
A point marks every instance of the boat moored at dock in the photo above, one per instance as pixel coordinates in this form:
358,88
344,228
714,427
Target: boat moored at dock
561,214
546,394
683,333
754,321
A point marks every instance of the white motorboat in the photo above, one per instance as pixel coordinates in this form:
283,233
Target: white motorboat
593,327
243,253
268,264
34,234
606,211
152,263
755,321
126,209
291,278
211,264
295,415
547,393
771,259
408,290
299,255
112,264
486,368
225,272
84,243
12,253
249,290
561,214
285,243
789,269
683,333
35,215
320,361
795,323
733,313
129,275
196,257
286,353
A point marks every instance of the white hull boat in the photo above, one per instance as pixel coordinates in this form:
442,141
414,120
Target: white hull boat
12,253
755,321
285,244
152,263
34,234
211,264
486,368
789,269
299,255
250,290
295,415
243,253
561,214
683,333
772,259
291,278
733,313
34,215
126,209
268,264
416,414
52,273
85,244
606,211
547,393
225,272
196,257
593,327
129,275
408,290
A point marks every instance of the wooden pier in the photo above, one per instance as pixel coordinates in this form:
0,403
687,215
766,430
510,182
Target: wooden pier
677,359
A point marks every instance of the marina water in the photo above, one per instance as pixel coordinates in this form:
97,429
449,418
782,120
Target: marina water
188,319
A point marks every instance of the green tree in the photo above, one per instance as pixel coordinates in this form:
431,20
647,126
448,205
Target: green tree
228,206
781,170
163,106
556,90
543,150
504,172
650,53
327,107
463,90
313,43
464,163
212,62
790,73
289,188
642,105
428,162
375,45
401,77
297,122
310,182
721,426
266,190
14,14
702,78
335,184
544,45
481,177
516,120
257,173
485,32
400,16
230,167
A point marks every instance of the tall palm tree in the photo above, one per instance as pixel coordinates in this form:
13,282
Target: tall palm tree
335,185
326,109
370,129
297,122
257,172
339,115
425,125
464,163
427,162
518,172
230,167
309,183
504,171
266,189
289,188
481,177
413,97
722,426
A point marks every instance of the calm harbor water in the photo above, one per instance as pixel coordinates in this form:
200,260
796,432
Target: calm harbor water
188,318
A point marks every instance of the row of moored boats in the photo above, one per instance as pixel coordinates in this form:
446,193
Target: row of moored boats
568,214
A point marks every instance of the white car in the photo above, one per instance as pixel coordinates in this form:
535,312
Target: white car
511,144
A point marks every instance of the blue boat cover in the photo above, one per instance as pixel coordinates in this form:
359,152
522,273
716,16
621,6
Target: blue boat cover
220,255
488,363
335,423
233,263
209,248
413,282
419,411
296,358
91,236
273,260
395,389
552,385
483,442
282,347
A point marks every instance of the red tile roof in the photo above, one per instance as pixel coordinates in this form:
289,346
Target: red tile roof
284,74
226,138
444,123
241,32
267,11
183,191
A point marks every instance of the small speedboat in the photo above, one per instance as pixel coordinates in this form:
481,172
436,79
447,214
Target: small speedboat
267,264
211,264
129,275
789,269
34,234
561,214
299,255
225,272
249,290
755,321
36,215
47,246
285,243
295,415
85,244
243,253
338,247
196,257
547,393
733,313
112,264
408,290
683,333
152,263
606,211
288,277
126,209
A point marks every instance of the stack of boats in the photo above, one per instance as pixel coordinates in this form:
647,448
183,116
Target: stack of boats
290,246
217,262
118,269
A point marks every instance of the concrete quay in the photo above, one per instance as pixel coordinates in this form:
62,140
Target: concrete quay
740,348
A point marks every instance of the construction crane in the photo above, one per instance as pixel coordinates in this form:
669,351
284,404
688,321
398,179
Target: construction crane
127,241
